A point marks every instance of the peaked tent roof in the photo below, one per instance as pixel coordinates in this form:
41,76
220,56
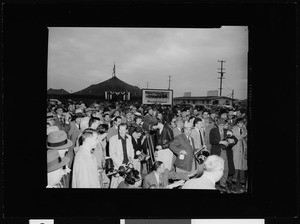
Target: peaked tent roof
113,84
57,91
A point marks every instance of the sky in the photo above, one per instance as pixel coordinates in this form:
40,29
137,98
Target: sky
80,57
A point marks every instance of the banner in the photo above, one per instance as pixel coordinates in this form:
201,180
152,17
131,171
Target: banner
157,96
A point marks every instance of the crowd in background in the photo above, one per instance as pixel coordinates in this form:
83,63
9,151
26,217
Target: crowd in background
128,145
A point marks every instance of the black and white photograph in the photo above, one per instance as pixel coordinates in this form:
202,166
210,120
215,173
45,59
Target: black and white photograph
147,108
155,111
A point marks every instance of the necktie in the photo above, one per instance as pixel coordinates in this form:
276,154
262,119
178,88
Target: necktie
190,140
221,135
201,138
126,160
240,131
160,181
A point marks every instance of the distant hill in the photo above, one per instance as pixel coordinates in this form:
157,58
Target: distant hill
57,92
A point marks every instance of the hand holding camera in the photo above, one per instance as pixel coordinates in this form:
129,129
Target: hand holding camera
223,143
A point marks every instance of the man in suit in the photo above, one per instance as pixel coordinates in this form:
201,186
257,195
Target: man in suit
85,120
114,129
85,171
121,151
75,131
179,126
164,136
183,147
139,146
217,140
62,119
198,133
150,126
159,177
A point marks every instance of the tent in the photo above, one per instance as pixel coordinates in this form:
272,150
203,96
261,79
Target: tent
112,89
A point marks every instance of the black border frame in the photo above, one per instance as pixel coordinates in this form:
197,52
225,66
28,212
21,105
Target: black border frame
272,52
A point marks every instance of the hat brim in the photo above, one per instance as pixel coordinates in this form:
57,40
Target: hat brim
64,162
69,144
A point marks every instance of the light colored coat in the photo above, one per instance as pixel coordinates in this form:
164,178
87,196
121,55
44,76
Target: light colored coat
85,174
240,149
204,182
196,136
84,123
111,132
116,150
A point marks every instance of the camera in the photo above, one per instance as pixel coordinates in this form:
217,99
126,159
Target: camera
201,155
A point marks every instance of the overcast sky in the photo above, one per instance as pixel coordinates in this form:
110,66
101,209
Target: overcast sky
80,57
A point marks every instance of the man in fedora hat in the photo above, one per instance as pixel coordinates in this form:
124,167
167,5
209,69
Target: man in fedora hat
55,170
114,129
59,141
85,170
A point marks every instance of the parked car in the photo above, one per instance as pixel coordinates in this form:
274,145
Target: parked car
201,107
54,102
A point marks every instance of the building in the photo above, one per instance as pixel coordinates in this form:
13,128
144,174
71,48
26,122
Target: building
204,100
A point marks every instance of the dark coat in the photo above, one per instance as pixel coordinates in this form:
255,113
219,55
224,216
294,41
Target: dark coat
179,143
149,122
165,138
138,146
214,139
73,135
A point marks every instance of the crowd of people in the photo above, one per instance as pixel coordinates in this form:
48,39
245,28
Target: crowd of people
123,145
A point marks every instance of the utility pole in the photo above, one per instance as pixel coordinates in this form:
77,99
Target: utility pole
221,76
169,81
147,84
232,95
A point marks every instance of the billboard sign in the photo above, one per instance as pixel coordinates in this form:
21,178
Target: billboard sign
157,96
212,93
